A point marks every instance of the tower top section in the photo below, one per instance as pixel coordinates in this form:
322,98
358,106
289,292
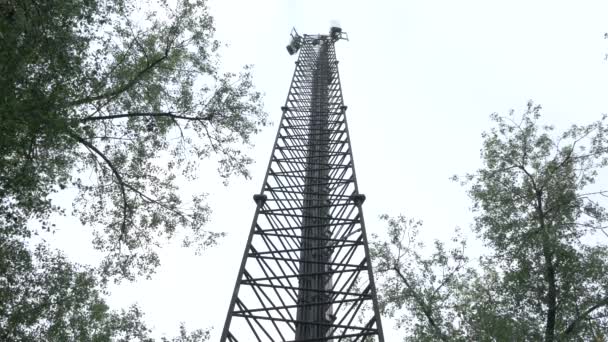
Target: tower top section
335,34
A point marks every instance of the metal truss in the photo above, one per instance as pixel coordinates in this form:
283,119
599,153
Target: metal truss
306,273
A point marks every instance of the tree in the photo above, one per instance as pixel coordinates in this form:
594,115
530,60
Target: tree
45,297
541,216
116,100
420,291
113,101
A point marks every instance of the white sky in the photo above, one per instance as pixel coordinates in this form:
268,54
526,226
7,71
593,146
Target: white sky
420,79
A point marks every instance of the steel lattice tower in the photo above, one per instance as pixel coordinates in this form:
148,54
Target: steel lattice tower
306,273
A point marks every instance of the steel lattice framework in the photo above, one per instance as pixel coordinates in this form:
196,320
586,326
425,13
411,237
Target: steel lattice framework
306,273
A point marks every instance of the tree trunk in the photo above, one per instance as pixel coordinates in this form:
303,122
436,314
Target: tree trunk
549,270
551,293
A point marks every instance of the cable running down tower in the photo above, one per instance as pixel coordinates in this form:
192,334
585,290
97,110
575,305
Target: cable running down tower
306,273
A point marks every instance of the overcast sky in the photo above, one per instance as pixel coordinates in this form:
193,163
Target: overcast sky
420,79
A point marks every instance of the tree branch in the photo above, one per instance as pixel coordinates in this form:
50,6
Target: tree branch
123,88
156,201
171,115
447,278
523,168
573,324
425,309
117,175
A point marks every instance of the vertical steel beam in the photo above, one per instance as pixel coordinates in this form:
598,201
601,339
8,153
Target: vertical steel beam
315,256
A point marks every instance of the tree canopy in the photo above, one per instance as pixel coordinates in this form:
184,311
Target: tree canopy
117,99
113,102
46,297
541,216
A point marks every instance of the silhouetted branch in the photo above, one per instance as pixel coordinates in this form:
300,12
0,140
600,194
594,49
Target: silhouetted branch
572,325
117,175
171,115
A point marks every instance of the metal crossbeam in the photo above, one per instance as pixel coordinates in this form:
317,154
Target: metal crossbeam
306,273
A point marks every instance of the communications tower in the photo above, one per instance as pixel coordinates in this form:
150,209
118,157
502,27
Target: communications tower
306,273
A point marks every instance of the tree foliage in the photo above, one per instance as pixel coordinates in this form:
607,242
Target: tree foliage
115,102
540,214
45,297
117,99
415,289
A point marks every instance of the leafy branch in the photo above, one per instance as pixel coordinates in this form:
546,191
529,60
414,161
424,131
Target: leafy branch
172,115
117,175
572,326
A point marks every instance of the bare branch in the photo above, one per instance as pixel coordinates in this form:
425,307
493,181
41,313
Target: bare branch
601,192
